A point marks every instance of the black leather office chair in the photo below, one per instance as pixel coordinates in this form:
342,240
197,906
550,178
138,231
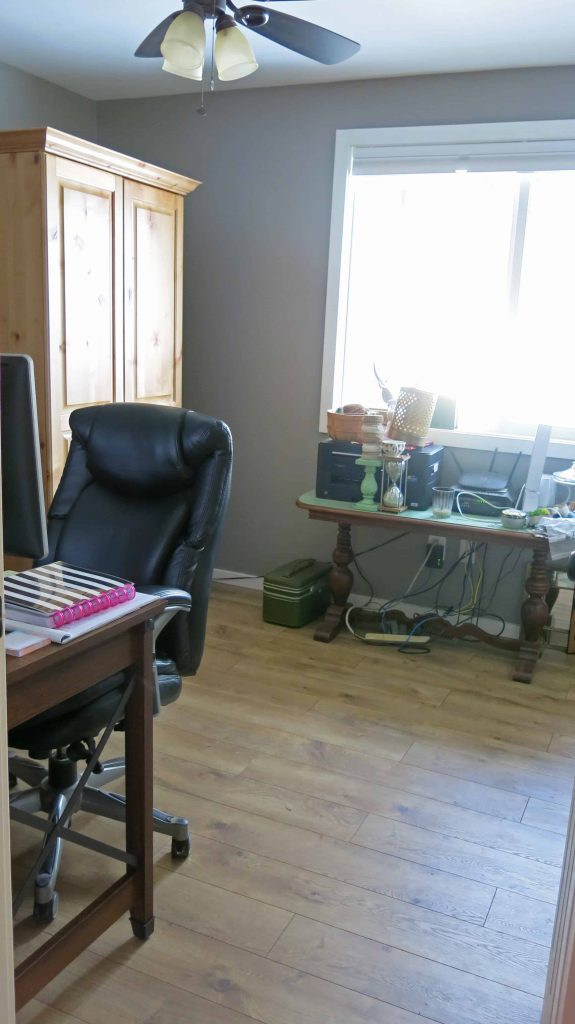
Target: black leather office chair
143,496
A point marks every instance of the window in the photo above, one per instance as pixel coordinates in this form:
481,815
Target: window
452,269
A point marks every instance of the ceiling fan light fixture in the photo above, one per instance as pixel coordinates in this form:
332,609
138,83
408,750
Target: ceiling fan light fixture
196,74
184,43
233,54
252,17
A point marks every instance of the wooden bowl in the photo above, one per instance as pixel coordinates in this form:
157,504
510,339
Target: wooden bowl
342,427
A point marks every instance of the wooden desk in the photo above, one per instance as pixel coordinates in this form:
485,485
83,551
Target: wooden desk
40,681
534,610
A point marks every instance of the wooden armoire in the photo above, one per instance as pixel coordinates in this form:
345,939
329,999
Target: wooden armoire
90,277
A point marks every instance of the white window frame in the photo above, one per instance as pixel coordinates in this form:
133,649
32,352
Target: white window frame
550,141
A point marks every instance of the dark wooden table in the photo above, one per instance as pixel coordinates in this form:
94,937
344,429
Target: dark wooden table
534,610
40,681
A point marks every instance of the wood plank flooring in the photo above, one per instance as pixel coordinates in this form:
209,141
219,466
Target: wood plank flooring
378,839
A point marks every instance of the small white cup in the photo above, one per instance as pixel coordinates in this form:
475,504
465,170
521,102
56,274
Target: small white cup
392,448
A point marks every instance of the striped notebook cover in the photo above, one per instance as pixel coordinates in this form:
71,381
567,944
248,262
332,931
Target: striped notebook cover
58,594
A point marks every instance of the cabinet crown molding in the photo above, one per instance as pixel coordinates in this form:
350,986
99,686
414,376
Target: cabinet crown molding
50,140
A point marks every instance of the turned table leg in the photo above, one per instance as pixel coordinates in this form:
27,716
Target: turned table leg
340,582
534,616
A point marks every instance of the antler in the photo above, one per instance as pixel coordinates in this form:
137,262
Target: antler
385,392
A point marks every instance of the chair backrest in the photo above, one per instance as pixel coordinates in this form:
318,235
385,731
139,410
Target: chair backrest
143,495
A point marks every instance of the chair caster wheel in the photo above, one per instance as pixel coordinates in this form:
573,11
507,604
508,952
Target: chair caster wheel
180,849
44,913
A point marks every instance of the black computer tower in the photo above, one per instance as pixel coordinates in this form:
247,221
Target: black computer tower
339,478
422,475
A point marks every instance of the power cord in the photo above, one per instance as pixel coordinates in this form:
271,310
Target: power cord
408,647
366,551
503,575
382,544
365,580
468,612
425,590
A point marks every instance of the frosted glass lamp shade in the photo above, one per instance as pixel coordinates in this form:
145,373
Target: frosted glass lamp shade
196,74
234,55
184,43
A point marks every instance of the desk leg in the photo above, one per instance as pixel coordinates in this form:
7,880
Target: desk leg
534,615
340,582
571,637
139,781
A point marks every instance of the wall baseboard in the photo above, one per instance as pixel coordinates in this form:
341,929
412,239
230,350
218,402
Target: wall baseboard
232,579
238,579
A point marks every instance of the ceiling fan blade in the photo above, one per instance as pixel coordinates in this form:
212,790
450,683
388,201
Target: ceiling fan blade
150,47
304,37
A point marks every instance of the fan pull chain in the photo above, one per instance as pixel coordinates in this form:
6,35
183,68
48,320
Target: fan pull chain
212,78
202,111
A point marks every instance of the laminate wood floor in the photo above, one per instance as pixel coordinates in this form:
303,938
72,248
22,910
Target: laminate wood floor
377,838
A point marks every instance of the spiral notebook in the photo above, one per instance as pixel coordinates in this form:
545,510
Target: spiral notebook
58,594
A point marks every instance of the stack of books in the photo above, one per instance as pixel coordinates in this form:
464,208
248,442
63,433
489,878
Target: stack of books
54,596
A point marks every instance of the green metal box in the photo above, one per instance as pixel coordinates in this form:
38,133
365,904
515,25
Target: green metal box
297,592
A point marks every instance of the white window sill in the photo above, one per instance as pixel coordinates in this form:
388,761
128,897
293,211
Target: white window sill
512,443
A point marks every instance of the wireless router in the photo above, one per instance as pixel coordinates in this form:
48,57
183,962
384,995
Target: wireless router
487,488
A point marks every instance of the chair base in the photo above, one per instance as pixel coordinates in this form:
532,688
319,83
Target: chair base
49,790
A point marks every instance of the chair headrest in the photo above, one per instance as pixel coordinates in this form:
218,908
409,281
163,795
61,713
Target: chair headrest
146,450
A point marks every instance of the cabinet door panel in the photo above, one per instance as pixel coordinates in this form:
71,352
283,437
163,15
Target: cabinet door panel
154,259
152,252
84,233
89,298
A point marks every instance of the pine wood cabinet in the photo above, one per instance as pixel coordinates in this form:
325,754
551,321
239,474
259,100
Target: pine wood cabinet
90,277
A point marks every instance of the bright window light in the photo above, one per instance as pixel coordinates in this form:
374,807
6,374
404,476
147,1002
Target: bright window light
462,283
451,258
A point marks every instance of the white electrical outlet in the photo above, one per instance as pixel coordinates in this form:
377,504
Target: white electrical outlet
466,547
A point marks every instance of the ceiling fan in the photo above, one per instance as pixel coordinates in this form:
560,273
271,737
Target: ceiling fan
180,38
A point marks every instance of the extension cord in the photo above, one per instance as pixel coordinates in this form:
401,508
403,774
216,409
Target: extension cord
395,638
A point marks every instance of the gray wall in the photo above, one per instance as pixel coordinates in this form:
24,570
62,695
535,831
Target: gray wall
29,102
256,265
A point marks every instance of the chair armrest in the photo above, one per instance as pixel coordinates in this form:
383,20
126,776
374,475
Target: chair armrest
176,601
179,600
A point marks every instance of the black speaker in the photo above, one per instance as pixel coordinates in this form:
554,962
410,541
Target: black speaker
338,477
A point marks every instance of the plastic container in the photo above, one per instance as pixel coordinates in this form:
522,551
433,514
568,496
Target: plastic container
296,593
